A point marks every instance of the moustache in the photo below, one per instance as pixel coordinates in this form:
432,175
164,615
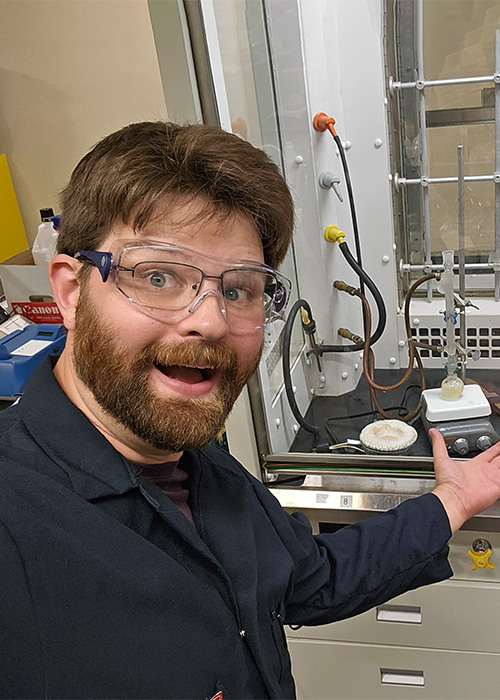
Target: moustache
192,354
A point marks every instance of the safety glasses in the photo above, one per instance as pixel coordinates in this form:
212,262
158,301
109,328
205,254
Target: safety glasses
161,276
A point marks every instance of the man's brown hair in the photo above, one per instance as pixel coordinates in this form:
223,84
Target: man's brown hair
130,173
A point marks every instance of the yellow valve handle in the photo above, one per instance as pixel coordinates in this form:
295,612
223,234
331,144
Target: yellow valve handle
481,560
334,234
305,316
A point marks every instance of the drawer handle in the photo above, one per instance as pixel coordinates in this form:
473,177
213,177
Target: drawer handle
408,614
393,676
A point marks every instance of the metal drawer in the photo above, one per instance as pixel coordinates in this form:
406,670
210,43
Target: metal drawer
340,671
457,615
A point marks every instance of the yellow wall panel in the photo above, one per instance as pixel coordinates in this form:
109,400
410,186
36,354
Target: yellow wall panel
12,234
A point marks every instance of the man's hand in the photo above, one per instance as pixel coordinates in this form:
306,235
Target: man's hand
468,487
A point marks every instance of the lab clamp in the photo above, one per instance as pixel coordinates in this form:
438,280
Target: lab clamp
458,410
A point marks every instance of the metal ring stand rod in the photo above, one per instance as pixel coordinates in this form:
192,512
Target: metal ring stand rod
421,83
470,268
424,181
461,252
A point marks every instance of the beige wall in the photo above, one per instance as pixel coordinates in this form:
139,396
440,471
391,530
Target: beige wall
71,71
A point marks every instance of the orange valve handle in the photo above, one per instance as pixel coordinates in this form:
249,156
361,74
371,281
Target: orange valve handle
322,122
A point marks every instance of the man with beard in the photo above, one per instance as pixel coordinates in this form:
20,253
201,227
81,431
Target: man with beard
137,560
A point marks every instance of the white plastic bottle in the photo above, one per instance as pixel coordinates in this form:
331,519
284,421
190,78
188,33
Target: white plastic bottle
43,240
51,248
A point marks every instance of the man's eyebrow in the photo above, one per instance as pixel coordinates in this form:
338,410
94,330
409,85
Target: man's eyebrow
158,252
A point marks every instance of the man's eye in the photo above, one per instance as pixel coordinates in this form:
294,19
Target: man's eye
238,294
159,279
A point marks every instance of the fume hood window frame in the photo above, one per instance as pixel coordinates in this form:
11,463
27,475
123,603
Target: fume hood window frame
405,63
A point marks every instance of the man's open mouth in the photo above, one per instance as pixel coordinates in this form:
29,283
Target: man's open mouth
188,375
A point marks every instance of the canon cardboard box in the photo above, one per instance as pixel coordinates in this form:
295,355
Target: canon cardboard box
27,289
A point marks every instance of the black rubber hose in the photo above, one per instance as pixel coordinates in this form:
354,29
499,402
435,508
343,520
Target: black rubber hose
382,314
357,243
287,335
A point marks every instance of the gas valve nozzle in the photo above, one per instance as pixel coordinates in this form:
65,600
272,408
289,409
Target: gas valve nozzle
344,287
346,333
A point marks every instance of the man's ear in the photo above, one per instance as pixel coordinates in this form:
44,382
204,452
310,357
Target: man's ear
63,277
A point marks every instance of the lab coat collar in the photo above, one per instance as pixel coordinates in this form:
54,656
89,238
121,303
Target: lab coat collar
94,467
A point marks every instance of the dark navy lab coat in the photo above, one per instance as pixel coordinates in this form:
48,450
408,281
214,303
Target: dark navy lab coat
107,590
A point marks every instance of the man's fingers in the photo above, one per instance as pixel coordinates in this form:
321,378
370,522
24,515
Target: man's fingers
493,451
439,448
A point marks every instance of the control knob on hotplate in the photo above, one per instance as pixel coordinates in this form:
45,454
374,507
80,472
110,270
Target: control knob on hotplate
461,446
484,442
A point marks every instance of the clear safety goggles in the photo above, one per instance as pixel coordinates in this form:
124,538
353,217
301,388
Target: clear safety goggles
160,276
